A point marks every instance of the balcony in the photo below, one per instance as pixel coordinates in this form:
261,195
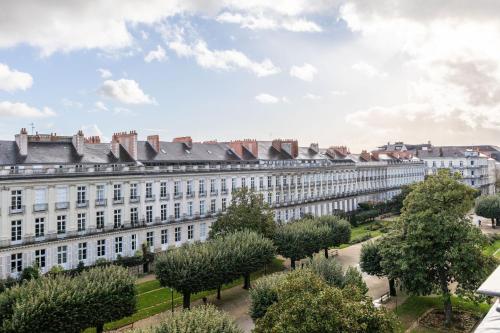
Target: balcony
82,204
190,195
214,192
41,207
202,194
16,210
178,195
223,191
62,205
135,199
118,201
150,198
101,202
165,197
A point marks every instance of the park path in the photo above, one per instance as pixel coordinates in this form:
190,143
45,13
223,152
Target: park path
235,301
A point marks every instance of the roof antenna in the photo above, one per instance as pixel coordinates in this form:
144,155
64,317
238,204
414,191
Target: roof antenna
32,128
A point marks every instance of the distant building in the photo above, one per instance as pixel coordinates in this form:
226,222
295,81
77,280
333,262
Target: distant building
71,199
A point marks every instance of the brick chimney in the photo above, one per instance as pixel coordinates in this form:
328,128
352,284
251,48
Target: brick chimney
78,142
314,147
330,152
289,146
154,142
341,150
186,140
22,142
366,155
238,147
93,139
127,140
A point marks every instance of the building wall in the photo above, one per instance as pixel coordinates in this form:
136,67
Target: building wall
291,191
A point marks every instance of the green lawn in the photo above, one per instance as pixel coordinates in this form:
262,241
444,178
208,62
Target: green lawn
493,249
363,230
415,306
153,299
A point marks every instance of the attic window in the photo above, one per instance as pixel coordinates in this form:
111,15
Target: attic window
187,151
208,151
163,151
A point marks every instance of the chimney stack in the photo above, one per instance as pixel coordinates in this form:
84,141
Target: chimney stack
127,140
186,140
22,142
78,142
154,142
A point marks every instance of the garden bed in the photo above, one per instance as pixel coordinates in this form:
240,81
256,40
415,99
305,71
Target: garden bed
463,321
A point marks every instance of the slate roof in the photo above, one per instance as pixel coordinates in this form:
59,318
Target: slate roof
441,152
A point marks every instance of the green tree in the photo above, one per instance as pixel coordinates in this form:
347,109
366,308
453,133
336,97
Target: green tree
307,304
370,261
434,244
328,269
264,293
200,319
29,273
247,211
64,304
352,277
489,206
340,231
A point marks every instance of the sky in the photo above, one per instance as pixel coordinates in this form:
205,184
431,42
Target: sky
334,72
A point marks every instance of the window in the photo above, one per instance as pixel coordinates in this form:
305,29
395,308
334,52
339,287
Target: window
100,192
213,205
150,238
82,251
252,183
261,183
16,198
101,247
471,162
269,198
203,230
233,184
39,226
164,236
163,190
62,194
133,191
117,218
40,199
177,234
133,242
224,204
16,230
269,181
40,258
62,254
163,213
149,190
81,219
202,207
16,262
99,220
201,186
243,182
190,208
212,186
223,184
61,224
189,187
149,214
134,215
190,231
117,192
177,187
450,163
118,245
81,194
177,210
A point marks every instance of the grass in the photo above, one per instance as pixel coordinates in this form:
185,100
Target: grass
153,299
415,306
493,249
363,230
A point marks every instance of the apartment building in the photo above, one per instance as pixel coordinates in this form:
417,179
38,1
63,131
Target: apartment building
71,199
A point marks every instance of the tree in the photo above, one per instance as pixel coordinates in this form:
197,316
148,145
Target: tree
352,277
340,231
188,269
63,304
434,244
247,211
29,273
264,293
205,318
328,269
370,262
489,206
306,303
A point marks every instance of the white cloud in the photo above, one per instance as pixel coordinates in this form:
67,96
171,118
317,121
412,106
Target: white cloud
125,91
105,73
262,22
305,72
217,59
68,103
158,55
12,80
144,35
101,106
270,99
339,92
368,70
71,25
22,110
312,97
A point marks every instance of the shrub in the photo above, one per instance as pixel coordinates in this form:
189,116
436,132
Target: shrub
264,293
201,319
328,269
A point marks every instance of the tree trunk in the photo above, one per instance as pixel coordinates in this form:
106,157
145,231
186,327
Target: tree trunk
493,223
246,279
218,292
448,314
392,287
292,263
326,252
100,328
186,300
